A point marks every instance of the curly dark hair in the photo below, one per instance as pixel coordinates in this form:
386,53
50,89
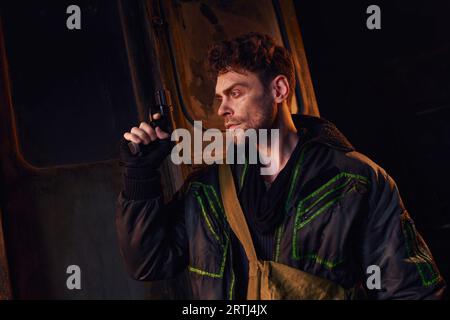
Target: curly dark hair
253,52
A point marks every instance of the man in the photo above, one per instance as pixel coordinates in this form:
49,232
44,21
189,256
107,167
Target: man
326,210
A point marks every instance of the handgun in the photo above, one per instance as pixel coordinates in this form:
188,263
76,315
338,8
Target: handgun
163,105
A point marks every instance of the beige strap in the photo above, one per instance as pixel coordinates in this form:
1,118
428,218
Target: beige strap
238,224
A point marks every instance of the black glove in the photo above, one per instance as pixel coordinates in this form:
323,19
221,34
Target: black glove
151,156
141,176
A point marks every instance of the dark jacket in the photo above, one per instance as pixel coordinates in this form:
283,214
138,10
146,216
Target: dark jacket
343,214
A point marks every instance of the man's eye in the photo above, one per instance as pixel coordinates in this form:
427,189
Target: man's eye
235,94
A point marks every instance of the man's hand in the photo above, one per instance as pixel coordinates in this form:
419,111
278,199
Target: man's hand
145,133
155,145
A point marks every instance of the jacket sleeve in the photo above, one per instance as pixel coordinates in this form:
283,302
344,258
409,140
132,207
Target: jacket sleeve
151,235
391,242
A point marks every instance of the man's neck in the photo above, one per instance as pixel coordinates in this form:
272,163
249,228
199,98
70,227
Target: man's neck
286,143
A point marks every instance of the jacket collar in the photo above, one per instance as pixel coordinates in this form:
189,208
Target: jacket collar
322,131
314,130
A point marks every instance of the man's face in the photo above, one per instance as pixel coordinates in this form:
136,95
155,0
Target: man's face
244,102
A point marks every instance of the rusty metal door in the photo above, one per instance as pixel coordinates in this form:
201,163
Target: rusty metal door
65,99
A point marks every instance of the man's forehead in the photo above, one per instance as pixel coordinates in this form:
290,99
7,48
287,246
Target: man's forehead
228,79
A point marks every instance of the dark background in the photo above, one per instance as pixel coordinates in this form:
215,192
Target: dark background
71,89
388,90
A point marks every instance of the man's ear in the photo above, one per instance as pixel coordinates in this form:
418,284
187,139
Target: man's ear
280,88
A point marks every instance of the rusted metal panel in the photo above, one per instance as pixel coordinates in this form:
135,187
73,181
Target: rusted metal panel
291,25
54,217
5,282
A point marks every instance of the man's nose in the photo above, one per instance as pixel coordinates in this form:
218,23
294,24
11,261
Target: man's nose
224,109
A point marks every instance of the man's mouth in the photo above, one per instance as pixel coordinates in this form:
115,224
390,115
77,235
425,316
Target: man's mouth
231,125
